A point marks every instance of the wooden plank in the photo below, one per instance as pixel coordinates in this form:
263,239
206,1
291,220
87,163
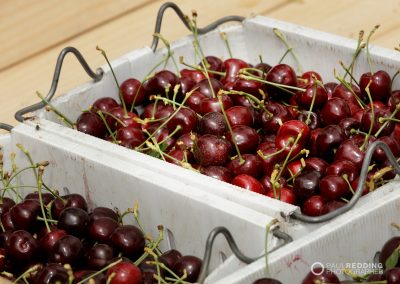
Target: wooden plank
27,27
123,34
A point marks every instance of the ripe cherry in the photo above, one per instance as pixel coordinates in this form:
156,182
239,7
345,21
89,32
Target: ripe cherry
246,138
124,273
232,67
191,265
210,150
74,221
52,273
334,111
313,206
320,275
249,183
213,123
204,87
290,130
162,83
281,74
48,241
22,247
23,214
132,92
104,105
68,249
239,115
100,230
333,187
391,275
252,165
306,184
170,258
380,87
218,172
283,194
280,114
129,240
98,256
90,123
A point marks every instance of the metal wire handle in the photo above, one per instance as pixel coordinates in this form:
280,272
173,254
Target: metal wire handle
96,76
359,190
182,16
236,251
6,126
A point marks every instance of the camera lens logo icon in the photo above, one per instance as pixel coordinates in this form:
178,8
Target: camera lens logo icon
317,268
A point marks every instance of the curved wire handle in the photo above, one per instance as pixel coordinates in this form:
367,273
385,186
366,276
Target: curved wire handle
236,251
181,15
19,115
6,126
359,190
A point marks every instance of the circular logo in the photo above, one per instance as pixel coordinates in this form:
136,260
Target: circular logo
315,270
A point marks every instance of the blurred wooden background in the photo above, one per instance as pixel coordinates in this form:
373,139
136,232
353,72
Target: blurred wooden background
33,32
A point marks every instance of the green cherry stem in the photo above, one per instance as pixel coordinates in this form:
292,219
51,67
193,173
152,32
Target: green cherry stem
39,185
85,280
282,37
385,120
224,37
62,116
367,43
364,145
194,67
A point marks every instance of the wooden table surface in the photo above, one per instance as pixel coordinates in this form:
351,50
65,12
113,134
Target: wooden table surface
33,32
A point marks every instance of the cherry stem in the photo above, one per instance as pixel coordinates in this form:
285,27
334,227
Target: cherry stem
181,61
346,178
100,271
282,37
261,154
224,37
349,87
39,185
360,46
27,273
62,117
241,160
364,145
154,245
115,78
107,126
267,232
170,52
259,104
248,76
367,43
348,72
356,131
386,120
308,121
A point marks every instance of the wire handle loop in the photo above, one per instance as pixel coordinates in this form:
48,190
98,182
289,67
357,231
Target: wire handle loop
359,190
233,246
6,126
182,16
96,76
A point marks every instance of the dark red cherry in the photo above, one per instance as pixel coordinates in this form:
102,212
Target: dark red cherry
68,249
177,156
312,119
90,123
316,164
213,104
52,273
23,214
190,264
333,187
290,130
101,229
348,124
249,183
232,67
266,182
367,120
313,206
328,140
280,114
391,275
332,205
186,141
320,275
186,84
186,119
270,159
215,63
239,115
206,89
246,138
350,96
281,74
334,111
194,100
5,204
387,250
380,87
195,75
210,150
74,221
76,200
149,271
306,184
7,222
267,281
313,94
48,240
170,258
132,92
46,197
124,273
98,256
218,172
350,150
393,101
104,105
213,123
162,83
100,212
283,194
22,247
330,87
309,78
252,165
343,167
129,240
248,86
130,132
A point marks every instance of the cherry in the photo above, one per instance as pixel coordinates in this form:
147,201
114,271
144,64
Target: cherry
379,155
333,187
194,100
252,165
249,183
367,120
347,124
7,222
4,237
191,265
264,67
22,247
317,164
186,84
239,115
186,141
218,172
328,140
312,119
267,281
329,88
98,256
185,118
213,104
332,205
129,240
290,130
195,75
132,92
393,101
48,241
100,212
334,111
213,123
210,150
162,83
391,275
270,159
350,150
76,200
293,168
280,114
343,167
232,67
90,123
281,74
124,273
46,197
170,258
341,91
52,273
177,156
286,195
312,93
130,133
215,64
74,221
266,182
313,206
380,86
104,104
149,271
248,86
23,215
5,204
320,275
100,230
3,258
246,138
309,78
68,249
387,250
306,184
208,89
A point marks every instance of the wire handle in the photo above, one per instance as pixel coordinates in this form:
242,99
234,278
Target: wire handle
96,76
6,126
233,246
182,16
358,193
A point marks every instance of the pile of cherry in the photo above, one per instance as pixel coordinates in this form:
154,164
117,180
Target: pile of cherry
267,129
47,238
